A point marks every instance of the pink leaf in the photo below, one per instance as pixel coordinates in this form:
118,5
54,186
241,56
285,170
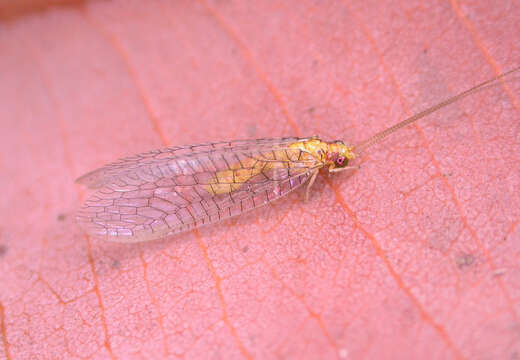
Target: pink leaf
414,256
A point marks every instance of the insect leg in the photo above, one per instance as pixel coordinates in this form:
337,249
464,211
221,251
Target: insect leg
337,170
311,181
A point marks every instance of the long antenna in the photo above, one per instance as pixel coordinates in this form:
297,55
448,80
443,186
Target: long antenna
362,146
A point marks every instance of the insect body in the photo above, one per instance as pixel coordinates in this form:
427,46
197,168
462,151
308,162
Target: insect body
299,154
171,190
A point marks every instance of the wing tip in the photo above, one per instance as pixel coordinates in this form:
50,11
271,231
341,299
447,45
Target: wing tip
93,179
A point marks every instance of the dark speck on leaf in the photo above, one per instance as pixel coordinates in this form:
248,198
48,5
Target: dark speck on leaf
3,250
245,248
61,217
115,264
464,260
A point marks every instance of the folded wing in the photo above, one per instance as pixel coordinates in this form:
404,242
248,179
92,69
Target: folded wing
169,191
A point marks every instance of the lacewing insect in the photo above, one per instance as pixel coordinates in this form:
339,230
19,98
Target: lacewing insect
176,189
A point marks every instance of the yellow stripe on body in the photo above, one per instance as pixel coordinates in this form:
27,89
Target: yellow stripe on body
226,181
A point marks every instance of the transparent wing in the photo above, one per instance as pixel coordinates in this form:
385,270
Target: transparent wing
162,162
139,201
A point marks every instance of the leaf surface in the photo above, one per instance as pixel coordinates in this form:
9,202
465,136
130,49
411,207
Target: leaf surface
414,256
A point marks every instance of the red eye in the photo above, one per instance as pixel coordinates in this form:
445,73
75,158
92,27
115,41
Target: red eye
340,161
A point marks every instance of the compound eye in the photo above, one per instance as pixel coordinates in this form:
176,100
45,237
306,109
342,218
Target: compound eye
341,161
